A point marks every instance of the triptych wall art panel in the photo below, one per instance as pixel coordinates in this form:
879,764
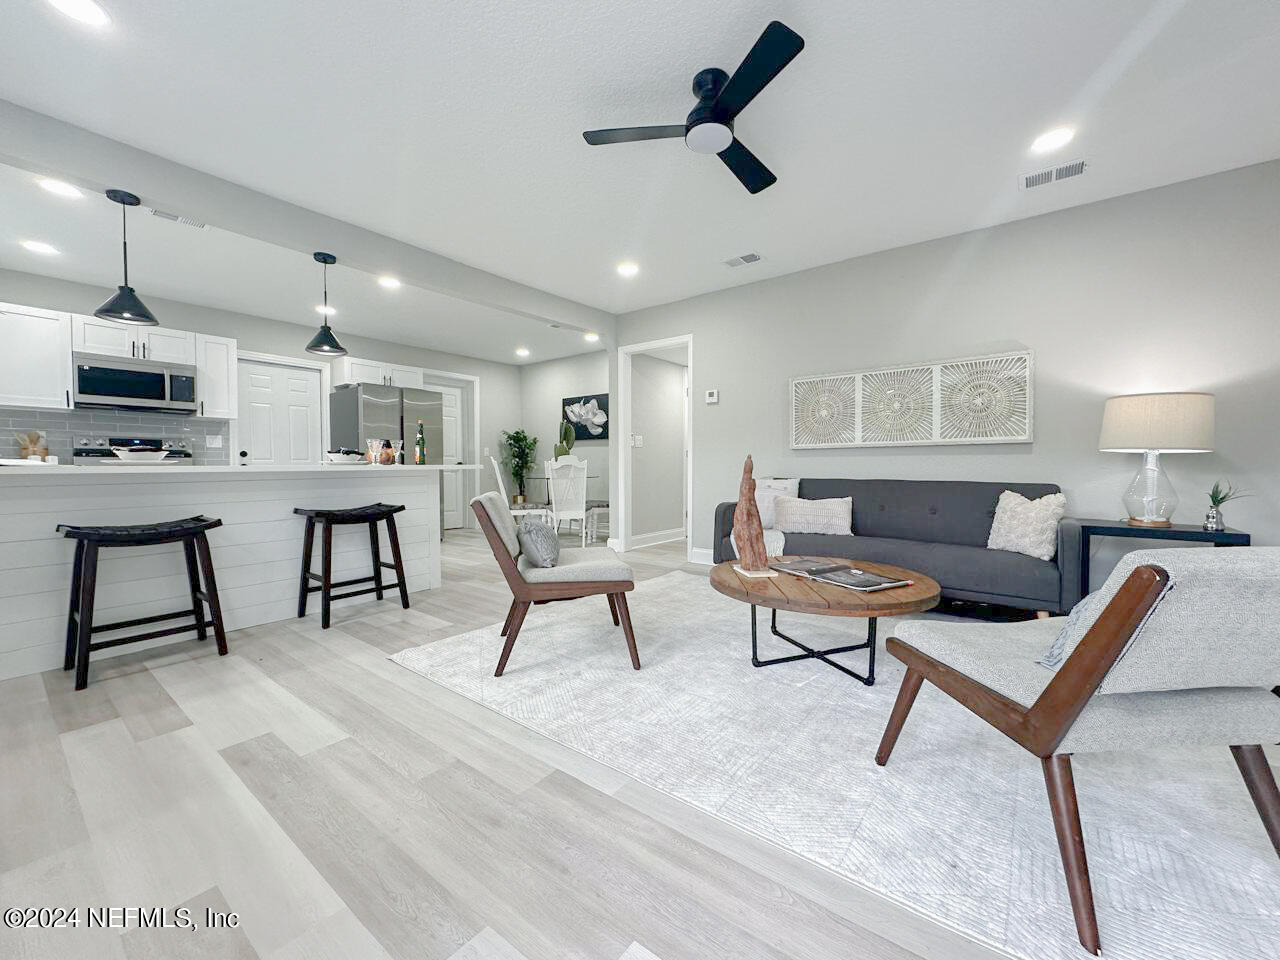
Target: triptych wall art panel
968,400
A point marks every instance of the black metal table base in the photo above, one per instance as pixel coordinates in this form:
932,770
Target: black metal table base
811,654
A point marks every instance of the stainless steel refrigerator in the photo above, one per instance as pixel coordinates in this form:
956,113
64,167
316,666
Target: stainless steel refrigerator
359,412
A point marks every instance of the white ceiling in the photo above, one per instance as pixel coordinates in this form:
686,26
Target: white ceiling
220,269
457,126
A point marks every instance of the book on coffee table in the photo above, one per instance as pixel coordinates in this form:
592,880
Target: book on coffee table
840,575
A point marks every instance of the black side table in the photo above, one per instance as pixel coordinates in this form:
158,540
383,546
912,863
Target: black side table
1179,531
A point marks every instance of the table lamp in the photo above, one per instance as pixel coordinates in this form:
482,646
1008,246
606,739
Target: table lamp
1151,424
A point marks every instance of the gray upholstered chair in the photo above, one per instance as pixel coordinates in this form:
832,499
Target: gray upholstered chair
580,572
1177,647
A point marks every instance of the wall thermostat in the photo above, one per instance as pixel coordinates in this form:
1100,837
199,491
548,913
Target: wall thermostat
713,396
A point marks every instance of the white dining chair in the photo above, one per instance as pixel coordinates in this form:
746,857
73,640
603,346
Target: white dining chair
539,510
567,480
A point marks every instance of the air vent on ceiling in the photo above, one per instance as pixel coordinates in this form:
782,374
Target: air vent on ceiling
745,258
176,218
1049,175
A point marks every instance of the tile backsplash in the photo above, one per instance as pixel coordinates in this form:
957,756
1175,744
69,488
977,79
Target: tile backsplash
62,427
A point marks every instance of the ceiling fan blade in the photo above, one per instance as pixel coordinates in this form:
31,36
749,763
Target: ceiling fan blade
778,45
630,134
755,176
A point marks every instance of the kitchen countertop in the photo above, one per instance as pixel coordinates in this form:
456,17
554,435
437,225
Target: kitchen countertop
65,471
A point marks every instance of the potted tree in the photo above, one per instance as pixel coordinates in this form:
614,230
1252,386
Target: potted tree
518,450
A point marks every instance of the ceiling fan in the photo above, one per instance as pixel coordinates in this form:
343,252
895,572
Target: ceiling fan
709,127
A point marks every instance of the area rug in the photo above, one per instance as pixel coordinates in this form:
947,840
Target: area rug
957,825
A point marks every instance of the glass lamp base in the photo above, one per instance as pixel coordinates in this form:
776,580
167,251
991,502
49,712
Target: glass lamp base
1150,498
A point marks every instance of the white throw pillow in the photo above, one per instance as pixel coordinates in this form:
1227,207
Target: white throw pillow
790,488
795,515
766,498
1027,526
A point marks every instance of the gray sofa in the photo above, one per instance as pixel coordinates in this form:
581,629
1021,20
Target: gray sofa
938,527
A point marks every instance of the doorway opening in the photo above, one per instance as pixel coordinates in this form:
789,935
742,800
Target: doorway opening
655,443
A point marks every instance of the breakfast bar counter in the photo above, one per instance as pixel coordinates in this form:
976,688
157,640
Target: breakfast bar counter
257,552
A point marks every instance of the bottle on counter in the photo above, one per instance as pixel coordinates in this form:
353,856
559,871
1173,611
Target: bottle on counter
420,446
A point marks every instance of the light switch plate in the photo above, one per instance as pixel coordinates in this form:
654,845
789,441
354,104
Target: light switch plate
713,396
639,440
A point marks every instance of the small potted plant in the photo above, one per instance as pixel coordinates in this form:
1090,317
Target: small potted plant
518,450
566,439
1219,495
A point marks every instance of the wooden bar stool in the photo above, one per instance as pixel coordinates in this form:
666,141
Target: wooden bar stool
328,519
84,580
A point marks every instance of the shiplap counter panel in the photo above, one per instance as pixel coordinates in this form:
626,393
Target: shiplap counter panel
257,552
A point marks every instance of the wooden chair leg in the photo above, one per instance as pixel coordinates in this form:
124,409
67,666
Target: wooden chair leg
308,538
193,581
513,630
1066,822
1262,788
511,612
620,600
88,583
901,707
211,592
613,608
394,539
375,551
73,608
326,572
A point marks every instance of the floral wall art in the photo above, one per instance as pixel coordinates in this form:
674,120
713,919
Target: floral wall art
589,415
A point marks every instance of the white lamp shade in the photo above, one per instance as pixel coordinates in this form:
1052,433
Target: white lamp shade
1168,422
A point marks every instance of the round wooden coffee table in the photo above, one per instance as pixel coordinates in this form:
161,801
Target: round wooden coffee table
800,595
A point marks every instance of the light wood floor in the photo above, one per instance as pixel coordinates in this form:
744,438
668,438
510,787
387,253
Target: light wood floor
347,808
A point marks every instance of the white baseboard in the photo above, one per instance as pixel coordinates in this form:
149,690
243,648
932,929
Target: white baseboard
614,544
702,555
660,536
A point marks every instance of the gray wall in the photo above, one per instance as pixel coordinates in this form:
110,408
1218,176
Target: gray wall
499,382
1170,289
542,387
657,468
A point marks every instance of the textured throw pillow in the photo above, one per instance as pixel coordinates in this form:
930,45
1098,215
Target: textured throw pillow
766,501
538,542
1053,657
795,515
1027,526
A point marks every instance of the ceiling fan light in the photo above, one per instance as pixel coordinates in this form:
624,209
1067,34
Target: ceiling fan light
709,137
126,307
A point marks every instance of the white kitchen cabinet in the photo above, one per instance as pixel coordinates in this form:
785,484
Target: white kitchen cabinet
35,366
111,338
217,390
355,370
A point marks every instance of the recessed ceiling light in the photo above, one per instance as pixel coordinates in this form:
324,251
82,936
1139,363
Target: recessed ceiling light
40,247
85,11
522,351
1052,140
325,310
591,337
628,268
59,188
391,283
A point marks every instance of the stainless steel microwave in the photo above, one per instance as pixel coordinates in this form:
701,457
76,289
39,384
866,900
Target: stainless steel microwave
120,383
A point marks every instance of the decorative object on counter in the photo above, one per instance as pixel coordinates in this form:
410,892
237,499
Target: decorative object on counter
748,533
518,450
140,454
1151,424
375,446
397,451
567,438
125,306
968,400
344,455
420,446
32,444
324,343
1217,497
589,416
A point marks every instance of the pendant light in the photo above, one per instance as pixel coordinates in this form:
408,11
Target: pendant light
324,342
125,305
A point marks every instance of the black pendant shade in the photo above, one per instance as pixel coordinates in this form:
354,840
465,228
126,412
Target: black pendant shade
125,306
324,343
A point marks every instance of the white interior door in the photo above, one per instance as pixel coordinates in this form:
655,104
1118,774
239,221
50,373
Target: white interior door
279,408
451,486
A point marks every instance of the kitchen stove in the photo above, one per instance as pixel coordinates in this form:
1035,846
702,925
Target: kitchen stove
96,451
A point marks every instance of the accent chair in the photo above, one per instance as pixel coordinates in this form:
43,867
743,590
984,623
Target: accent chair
1177,647
580,572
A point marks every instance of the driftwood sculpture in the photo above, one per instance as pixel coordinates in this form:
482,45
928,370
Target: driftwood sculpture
748,533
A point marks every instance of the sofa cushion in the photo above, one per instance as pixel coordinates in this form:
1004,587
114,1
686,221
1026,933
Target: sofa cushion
578,564
936,511
958,569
